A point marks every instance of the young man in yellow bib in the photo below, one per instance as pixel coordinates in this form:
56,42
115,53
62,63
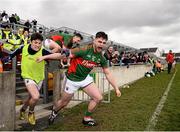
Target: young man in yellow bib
32,73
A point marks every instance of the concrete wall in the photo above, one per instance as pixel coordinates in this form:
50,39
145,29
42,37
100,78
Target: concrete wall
122,75
7,101
126,75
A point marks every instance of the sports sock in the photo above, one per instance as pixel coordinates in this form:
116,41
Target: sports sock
24,107
87,113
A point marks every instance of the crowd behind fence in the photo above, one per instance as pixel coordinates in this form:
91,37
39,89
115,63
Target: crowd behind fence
117,55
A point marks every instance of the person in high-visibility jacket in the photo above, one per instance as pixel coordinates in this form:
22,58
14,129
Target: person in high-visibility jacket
20,32
6,35
15,41
25,38
32,73
0,34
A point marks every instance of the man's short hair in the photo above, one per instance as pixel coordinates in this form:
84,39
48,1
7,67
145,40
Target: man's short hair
79,35
36,36
102,35
6,26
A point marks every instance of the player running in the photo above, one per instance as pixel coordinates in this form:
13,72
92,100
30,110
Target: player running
84,59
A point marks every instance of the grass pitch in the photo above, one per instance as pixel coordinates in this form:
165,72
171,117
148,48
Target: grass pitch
132,110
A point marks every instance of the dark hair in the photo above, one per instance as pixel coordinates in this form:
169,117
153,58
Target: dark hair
6,26
36,36
79,35
102,35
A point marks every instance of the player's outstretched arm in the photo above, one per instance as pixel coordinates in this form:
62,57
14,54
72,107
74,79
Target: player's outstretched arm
111,80
55,56
55,47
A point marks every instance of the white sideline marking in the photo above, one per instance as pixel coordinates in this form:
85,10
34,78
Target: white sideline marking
154,118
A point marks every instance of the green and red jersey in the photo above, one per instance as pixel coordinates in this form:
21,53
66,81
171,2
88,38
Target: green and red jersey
83,61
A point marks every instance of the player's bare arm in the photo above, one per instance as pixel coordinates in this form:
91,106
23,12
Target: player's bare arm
51,56
111,80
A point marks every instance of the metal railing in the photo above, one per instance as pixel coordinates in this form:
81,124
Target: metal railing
102,84
99,79
15,27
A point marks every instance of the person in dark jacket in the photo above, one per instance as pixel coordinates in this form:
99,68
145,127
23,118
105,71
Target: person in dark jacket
12,19
34,22
27,25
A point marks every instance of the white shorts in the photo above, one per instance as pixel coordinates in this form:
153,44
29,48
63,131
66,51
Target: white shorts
29,81
72,86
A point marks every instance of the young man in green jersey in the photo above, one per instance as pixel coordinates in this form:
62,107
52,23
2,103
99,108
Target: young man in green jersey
83,60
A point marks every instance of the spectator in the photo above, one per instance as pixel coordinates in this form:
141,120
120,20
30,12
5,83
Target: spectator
0,18
17,18
40,30
115,57
27,25
4,14
7,35
133,58
158,66
34,23
140,57
25,38
5,20
20,32
12,20
66,32
145,57
170,60
126,59
15,41
108,54
60,31
121,58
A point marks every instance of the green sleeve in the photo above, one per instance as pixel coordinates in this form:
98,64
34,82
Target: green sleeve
79,52
104,62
